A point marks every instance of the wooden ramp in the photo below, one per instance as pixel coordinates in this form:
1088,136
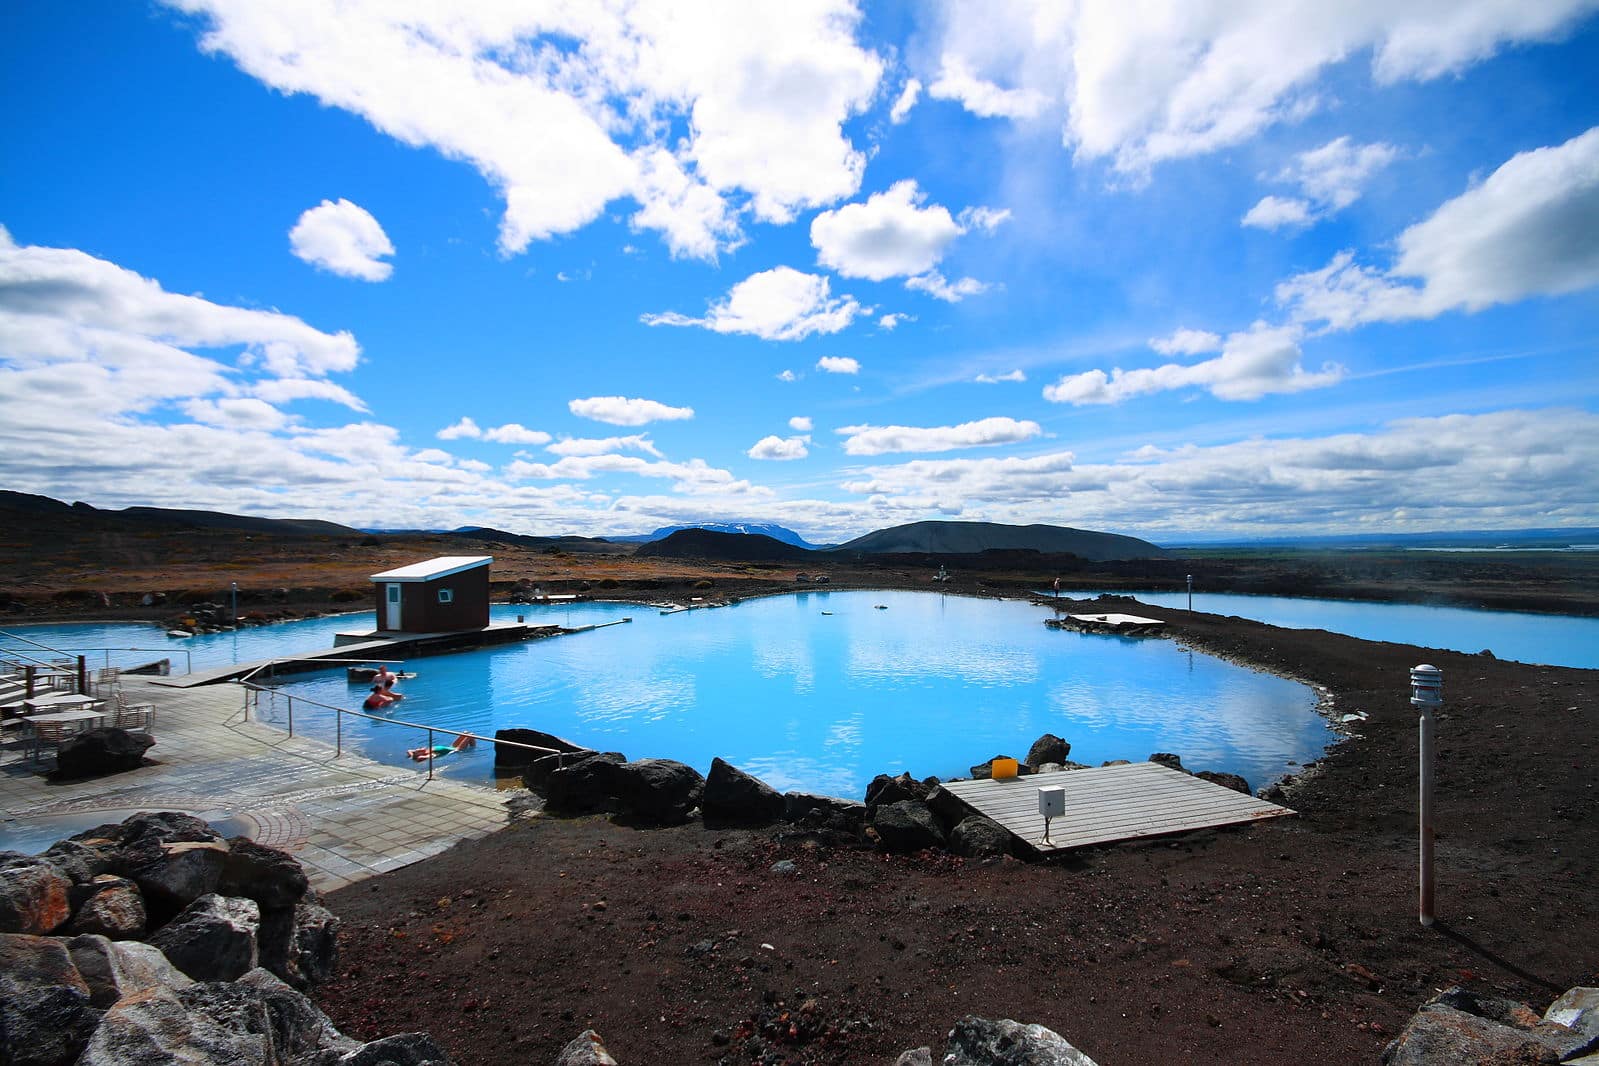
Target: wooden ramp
1111,803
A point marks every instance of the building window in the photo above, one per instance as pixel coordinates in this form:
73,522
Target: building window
446,595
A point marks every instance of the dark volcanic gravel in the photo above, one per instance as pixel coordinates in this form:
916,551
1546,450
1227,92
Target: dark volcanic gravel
1293,941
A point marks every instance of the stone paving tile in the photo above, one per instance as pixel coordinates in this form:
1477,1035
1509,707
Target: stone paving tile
345,818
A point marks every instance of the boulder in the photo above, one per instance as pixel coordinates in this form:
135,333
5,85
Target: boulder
98,752
401,1049
1047,748
110,906
156,1028
300,944
907,826
593,782
82,861
1168,760
985,769
213,939
1577,1009
1232,781
981,1042
977,837
948,808
46,1015
885,789
173,858
586,1050
733,796
812,810
1458,1025
918,1056
509,758
299,1028
271,877
661,791
33,894
113,969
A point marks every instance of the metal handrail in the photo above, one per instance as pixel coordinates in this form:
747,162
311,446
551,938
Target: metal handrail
188,656
340,712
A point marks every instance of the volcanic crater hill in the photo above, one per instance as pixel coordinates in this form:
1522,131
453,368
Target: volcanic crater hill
730,547
972,538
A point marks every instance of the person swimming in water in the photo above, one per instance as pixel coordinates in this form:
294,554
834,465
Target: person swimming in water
379,699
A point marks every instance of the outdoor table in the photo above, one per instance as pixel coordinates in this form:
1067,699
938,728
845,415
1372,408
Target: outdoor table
60,723
61,701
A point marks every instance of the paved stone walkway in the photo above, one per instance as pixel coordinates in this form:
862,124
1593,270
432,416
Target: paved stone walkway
345,819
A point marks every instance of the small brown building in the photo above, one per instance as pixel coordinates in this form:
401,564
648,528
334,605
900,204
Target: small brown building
440,595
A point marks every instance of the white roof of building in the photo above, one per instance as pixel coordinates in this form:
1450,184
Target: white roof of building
443,566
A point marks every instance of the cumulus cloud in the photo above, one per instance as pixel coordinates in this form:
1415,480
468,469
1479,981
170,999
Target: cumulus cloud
895,234
604,445
342,238
1186,342
787,375
1330,178
1177,80
694,476
882,440
695,112
939,287
892,320
995,379
838,364
1256,362
465,429
779,448
622,411
781,304
287,390
1527,230
905,101
800,424
516,433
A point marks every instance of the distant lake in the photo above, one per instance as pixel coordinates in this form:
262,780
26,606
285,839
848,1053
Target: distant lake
1554,639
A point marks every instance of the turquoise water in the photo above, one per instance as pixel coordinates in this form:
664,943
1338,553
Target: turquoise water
823,702
1557,640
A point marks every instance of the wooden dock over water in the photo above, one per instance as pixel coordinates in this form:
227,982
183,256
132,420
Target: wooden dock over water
1111,803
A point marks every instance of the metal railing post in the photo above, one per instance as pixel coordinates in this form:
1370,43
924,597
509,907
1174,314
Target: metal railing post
338,732
430,754
291,713
83,675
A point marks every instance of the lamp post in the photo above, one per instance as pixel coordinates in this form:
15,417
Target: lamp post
1190,592
235,585
1426,694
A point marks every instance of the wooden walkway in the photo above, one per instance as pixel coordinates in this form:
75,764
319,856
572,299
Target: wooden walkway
1111,803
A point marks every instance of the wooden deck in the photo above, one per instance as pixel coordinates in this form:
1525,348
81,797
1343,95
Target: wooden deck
1111,803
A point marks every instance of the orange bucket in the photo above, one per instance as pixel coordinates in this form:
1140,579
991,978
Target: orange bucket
1002,769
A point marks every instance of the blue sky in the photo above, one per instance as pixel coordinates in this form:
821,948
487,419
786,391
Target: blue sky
1222,269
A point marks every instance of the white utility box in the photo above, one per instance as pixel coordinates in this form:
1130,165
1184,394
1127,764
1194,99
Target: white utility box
1052,801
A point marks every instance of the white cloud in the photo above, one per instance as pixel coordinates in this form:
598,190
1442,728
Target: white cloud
1171,80
787,375
780,449
236,413
890,235
881,440
342,238
621,411
1276,212
465,429
905,101
801,424
838,364
995,379
1187,342
287,390
987,219
1253,363
1331,178
781,304
1527,230
564,108
936,285
604,445
694,476
892,320
516,433
982,97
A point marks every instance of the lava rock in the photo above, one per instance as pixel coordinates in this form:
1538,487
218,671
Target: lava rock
906,826
1577,1009
1047,748
984,770
98,752
299,1028
33,894
213,939
112,970
980,1042
919,1056
586,1050
111,906
593,782
300,944
977,837
661,791
885,789
156,1027
271,877
1168,760
46,1015
810,809
173,858
510,758
80,860
735,797
401,1049
1232,781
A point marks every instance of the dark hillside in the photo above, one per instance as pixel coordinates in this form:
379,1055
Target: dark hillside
970,538
730,547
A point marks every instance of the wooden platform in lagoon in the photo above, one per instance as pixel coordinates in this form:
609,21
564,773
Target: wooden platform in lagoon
1111,803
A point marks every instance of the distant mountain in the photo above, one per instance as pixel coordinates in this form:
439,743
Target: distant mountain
162,516
696,543
1465,539
592,545
969,538
761,529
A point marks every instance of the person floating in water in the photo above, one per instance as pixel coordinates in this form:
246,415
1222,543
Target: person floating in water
438,751
378,699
